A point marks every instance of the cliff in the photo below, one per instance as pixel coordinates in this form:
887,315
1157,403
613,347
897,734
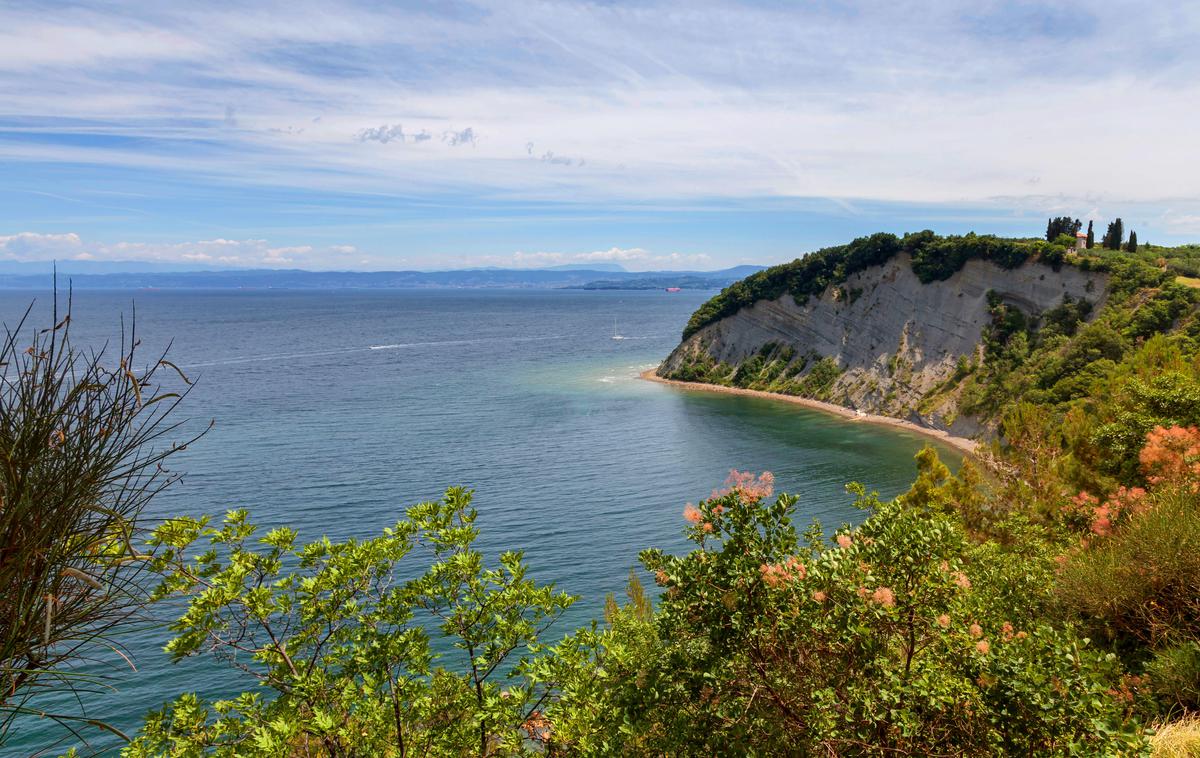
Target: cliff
881,341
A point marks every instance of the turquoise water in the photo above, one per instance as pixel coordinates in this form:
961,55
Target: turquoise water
335,410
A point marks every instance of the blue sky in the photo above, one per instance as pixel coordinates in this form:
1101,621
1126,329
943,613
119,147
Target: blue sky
657,135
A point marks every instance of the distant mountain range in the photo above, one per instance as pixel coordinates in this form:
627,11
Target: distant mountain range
599,277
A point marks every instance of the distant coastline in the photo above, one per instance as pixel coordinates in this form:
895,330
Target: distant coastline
964,445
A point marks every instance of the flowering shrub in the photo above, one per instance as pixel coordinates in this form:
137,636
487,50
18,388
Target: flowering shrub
1100,518
1141,584
769,641
1171,454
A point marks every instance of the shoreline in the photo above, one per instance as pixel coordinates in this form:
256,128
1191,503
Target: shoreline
968,447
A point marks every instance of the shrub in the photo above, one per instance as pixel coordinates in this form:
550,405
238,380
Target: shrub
342,648
883,639
1174,675
1141,586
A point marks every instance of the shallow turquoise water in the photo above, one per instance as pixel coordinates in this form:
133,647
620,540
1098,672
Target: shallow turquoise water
334,410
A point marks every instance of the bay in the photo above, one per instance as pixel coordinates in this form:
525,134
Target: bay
333,410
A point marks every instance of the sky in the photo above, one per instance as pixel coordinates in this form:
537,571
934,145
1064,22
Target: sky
683,135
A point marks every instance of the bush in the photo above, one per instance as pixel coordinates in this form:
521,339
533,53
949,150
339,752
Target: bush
885,640
342,648
1141,586
1174,675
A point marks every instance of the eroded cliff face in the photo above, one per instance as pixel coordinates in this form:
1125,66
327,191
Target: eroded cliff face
882,342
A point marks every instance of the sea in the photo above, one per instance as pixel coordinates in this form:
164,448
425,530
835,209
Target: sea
331,411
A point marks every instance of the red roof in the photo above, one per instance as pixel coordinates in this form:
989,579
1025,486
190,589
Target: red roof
1081,234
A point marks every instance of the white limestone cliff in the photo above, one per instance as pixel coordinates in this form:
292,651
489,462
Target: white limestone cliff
894,338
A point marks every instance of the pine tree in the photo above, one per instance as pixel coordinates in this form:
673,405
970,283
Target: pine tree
1091,238
1060,225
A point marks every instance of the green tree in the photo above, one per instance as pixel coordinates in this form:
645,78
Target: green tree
1056,227
1132,245
1114,236
1091,236
340,649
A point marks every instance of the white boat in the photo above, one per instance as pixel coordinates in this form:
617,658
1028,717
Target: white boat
616,335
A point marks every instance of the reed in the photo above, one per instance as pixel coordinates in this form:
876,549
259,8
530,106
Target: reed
84,436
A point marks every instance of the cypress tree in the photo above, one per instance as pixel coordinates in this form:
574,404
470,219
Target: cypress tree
1131,246
1091,238
1114,235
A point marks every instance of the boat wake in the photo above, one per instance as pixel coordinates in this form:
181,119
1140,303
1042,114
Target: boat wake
348,350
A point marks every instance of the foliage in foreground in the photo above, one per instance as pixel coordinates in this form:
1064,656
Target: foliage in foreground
340,645
896,638
899,637
78,464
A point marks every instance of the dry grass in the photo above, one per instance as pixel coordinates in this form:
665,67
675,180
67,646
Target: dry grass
1177,739
1188,281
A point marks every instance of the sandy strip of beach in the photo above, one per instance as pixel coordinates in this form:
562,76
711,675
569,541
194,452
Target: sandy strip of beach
968,446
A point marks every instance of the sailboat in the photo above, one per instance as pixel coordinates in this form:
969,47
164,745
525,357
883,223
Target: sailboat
616,335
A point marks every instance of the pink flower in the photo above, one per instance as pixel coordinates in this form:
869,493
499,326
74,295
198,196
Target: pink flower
884,596
1102,520
1022,635
961,580
749,487
976,630
771,574
776,574
819,596
983,646
660,577
796,568
863,592
692,513
944,621
1006,630
844,541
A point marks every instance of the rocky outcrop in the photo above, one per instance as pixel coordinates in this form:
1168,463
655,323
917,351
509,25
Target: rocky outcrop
882,342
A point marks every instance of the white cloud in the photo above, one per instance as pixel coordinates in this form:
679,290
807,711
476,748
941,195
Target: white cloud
905,101
1181,223
635,258
32,246
234,253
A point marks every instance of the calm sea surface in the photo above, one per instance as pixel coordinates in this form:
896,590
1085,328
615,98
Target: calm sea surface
335,410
